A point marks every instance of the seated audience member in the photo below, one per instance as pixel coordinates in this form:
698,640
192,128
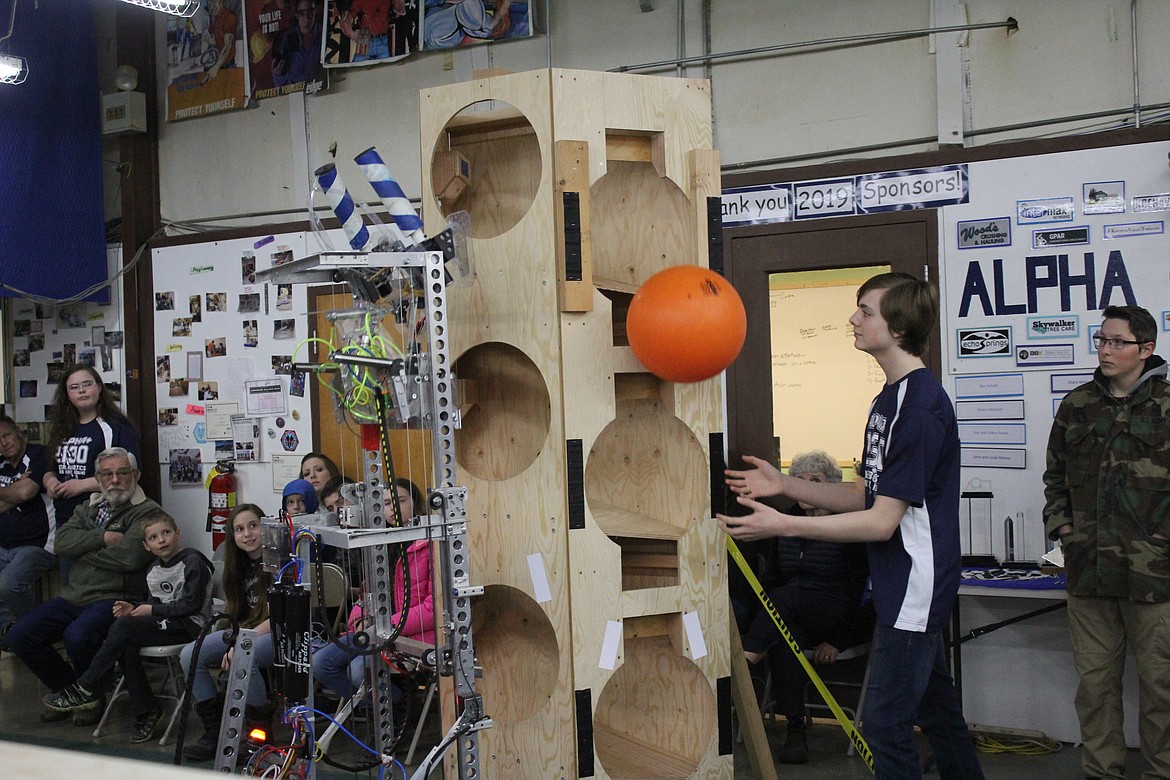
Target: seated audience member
27,522
816,588
330,493
86,421
179,582
350,561
340,668
245,587
318,469
299,498
104,537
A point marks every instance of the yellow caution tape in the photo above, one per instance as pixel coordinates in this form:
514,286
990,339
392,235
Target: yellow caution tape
842,719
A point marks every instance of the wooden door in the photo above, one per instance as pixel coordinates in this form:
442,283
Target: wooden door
338,436
905,241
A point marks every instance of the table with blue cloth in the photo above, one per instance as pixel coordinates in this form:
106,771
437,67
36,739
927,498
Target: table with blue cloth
1004,582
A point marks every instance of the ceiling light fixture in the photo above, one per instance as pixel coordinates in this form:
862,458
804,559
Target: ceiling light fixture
13,69
183,8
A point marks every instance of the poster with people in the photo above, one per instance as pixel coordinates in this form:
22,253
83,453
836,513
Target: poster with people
206,64
284,46
366,32
447,24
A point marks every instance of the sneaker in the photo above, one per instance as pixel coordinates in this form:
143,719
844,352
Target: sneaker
73,698
795,749
145,726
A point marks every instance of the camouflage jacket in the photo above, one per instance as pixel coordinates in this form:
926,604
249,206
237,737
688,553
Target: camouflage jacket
1108,476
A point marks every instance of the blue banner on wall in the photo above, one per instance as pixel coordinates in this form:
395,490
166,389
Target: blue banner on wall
52,231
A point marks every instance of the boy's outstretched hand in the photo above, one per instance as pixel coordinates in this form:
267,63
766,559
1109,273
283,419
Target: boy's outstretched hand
759,482
762,523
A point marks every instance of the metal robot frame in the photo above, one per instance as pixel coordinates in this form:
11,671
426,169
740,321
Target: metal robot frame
366,272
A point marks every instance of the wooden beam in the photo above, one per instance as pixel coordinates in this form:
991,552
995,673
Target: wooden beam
747,710
140,220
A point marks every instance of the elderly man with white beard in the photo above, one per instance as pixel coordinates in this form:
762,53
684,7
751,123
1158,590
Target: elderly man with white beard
105,537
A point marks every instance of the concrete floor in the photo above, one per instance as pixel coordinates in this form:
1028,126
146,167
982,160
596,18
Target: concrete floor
19,722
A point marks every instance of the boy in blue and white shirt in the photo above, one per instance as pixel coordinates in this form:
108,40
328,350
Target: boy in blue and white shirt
906,507
179,583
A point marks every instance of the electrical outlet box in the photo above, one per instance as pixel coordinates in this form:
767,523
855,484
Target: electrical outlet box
123,112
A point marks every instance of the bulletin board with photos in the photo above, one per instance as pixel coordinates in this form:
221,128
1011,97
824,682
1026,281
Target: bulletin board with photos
47,338
225,344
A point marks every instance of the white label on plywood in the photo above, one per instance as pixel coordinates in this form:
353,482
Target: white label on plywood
694,635
540,589
609,645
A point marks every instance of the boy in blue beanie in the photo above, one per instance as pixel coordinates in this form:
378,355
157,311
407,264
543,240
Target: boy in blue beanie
300,498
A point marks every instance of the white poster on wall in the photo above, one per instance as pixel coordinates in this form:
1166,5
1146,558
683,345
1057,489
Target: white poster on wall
1022,299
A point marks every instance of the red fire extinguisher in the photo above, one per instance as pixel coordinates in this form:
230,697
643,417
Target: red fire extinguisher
221,498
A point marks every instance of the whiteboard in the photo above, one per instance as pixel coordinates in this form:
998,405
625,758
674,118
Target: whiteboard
821,384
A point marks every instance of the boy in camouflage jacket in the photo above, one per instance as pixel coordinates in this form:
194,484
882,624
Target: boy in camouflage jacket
1107,490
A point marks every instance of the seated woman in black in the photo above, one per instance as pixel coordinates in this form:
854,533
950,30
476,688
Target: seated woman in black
817,589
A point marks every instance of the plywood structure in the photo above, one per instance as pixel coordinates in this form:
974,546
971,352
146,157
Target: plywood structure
589,506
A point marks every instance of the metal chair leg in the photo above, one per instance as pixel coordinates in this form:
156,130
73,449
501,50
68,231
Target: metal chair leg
422,718
119,690
175,673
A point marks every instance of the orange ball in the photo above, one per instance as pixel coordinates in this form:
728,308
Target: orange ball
686,323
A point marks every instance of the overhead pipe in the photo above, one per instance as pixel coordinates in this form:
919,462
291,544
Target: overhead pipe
1010,24
1137,102
813,156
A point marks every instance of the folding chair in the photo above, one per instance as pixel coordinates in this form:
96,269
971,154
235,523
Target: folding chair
334,591
174,680
855,714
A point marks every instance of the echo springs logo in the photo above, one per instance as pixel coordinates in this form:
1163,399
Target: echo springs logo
985,342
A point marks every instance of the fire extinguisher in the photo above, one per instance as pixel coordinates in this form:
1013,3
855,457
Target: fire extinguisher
221,498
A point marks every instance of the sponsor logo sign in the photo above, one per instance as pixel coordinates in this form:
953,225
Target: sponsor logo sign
1045,355
1053,327
1143,204
1030,212
984,342
974,233
1064,237
1103,197
1133,229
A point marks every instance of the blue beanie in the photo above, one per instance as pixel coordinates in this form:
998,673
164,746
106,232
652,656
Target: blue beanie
305,488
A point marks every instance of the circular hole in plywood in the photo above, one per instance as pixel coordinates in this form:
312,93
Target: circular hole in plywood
655,718
517,648
487,162
646,474
506,411
637,223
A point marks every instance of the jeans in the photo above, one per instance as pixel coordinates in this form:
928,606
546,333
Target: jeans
211,653
379,49
20,568
340,670
81,628
810,614
126,638
909,682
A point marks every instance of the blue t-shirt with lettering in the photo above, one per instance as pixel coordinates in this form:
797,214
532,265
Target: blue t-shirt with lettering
77,455
31,524
912,454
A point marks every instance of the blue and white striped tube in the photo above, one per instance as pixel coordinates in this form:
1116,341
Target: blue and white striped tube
392,195
343,208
